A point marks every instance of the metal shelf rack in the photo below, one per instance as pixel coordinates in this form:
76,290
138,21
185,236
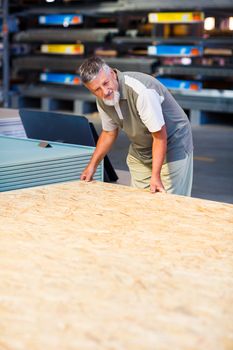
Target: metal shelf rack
122,39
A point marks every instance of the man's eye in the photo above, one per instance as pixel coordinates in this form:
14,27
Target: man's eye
106,83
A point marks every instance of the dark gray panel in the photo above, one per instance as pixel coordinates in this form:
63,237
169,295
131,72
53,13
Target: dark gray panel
64,64
138,5
205,71
59,92
179,4
64,35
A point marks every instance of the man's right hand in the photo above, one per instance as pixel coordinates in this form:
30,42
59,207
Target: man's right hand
104,144
88,173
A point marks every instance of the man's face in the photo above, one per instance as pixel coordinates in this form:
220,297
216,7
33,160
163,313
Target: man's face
105,86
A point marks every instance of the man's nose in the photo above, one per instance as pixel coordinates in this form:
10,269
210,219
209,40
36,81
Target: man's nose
105,91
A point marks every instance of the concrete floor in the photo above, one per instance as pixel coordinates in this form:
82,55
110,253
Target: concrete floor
213,161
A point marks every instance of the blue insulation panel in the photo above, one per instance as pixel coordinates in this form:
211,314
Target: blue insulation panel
12,127
25,163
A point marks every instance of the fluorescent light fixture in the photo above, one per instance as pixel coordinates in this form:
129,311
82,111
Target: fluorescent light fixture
49,0
209,23
231,23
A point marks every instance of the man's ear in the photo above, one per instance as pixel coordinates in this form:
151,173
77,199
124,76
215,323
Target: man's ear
113,74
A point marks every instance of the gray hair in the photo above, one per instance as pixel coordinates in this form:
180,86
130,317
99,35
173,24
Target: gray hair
91,67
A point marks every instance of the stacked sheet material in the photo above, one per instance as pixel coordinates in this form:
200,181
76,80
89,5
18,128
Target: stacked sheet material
11,127
28,163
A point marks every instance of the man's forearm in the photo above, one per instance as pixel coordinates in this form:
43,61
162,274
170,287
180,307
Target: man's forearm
104,144
159,148
158,155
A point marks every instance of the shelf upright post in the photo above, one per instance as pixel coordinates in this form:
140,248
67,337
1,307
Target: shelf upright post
5,33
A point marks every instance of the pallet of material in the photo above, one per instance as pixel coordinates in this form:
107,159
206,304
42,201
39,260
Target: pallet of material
28,163
102,266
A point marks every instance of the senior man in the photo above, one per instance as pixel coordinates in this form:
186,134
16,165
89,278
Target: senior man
161,151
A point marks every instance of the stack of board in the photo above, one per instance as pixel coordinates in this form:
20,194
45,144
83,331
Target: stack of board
10,123
11,127
28,163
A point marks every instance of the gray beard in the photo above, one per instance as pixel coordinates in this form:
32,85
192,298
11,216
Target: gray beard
114,100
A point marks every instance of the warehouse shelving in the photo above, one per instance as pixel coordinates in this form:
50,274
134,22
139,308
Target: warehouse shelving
53,97
207,64
121,29
37,65
5,53
8,25
62,64
1,61
177,5
99,6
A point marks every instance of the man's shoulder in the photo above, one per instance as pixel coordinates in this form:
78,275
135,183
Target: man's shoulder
137,75
141,81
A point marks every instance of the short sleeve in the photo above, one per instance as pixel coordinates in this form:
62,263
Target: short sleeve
150,110
107,123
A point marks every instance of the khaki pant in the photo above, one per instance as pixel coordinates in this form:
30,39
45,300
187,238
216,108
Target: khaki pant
177,177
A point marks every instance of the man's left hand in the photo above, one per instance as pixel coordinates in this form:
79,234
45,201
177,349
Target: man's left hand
156,185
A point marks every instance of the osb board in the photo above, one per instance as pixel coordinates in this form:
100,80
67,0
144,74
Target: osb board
106,267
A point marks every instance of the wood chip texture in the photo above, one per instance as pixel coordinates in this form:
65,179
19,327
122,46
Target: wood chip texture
105,267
